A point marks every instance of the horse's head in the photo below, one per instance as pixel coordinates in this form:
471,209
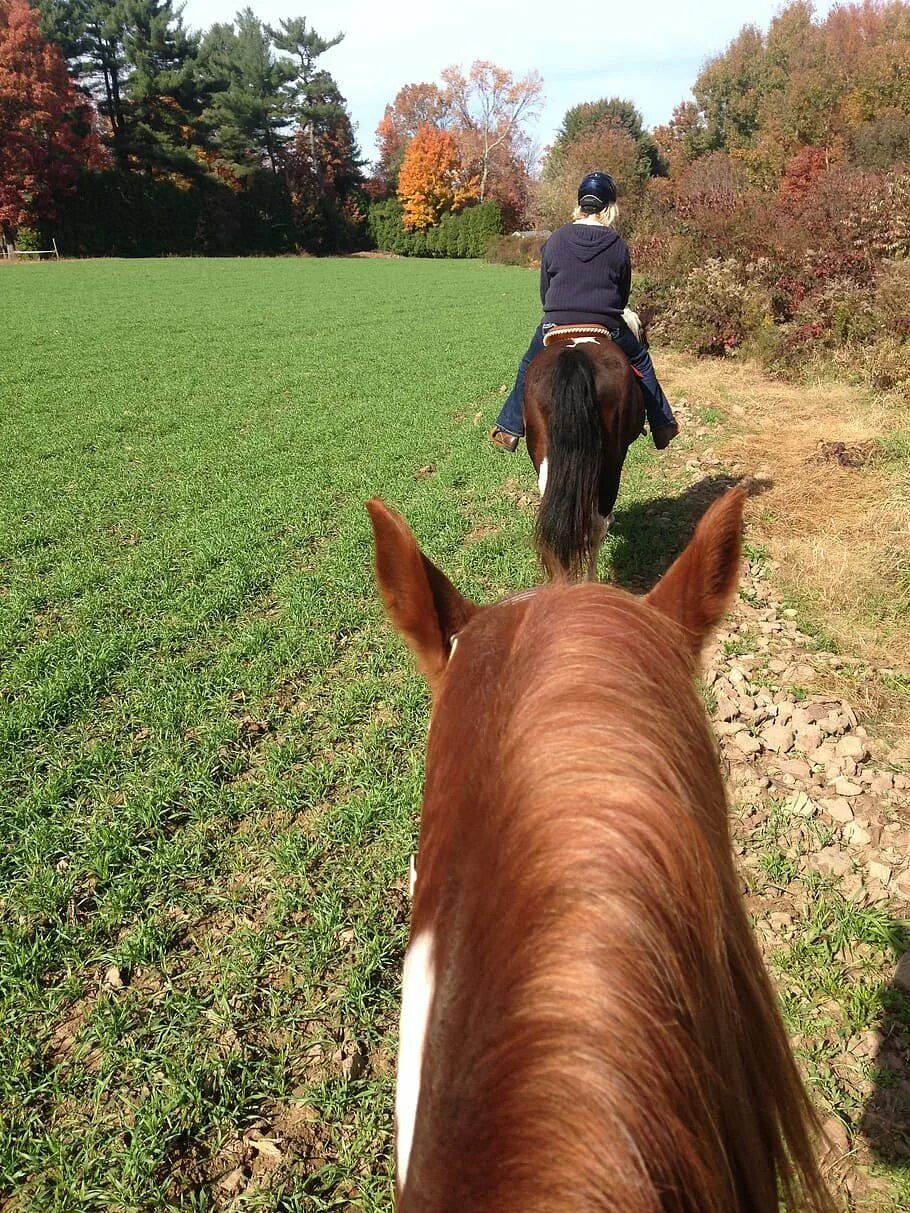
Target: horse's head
432,616
575,880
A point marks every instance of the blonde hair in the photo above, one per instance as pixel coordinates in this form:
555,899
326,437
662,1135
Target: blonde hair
607,216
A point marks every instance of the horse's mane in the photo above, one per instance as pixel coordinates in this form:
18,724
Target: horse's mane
637,1061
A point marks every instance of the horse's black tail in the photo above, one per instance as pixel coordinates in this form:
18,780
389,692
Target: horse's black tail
565,531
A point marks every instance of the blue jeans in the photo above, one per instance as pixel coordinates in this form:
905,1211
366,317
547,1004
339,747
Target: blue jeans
657,406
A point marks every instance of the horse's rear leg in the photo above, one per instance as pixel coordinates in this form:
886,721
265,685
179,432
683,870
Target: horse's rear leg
607,493
601,526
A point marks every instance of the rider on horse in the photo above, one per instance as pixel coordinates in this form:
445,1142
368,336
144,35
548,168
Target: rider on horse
585,278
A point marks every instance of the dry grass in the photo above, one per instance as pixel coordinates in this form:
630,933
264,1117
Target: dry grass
841,534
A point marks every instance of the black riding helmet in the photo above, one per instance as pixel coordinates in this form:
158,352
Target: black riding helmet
596,192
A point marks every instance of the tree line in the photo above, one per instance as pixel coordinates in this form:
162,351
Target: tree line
239,139
240,122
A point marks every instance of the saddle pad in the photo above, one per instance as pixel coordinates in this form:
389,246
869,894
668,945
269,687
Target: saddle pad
576,332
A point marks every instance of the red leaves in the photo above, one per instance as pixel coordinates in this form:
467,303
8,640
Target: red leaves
45,131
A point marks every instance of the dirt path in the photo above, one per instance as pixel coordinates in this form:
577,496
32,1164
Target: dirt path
820,790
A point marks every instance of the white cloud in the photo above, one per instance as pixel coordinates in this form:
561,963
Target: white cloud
650,52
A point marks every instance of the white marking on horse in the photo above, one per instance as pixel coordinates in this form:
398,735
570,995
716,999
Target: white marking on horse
542,477
453,645
584,341
412,876
416,999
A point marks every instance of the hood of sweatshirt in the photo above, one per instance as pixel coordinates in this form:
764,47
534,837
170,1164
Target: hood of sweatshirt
587,240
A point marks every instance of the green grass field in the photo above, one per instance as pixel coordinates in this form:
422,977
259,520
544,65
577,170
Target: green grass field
211,742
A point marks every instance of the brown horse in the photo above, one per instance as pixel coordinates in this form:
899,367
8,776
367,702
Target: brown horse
583,408
586,1021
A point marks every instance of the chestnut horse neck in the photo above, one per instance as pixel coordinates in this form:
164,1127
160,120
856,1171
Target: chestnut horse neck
602,1035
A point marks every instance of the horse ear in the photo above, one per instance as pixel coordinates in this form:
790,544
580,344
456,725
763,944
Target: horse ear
421,602
700,584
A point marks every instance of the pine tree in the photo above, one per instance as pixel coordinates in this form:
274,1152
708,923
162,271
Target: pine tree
253,99
318,105
166,95
139,63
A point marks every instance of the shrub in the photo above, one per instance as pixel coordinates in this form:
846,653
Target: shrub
516,250
886,363
384,226
467,234
28,240
876,218
715,309
113,214
650,297
892,297
839,313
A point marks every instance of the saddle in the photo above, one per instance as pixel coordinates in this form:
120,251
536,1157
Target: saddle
581,334
577,334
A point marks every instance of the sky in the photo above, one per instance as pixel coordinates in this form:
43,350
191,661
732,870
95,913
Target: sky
649,50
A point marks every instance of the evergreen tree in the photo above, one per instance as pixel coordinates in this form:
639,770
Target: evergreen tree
167,97
253,98
90,36
139,63
318,106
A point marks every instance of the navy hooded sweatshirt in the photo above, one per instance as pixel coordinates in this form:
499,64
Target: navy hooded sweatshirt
585,275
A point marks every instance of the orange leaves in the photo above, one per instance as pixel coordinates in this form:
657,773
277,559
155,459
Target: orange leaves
415,105
484,112
432,179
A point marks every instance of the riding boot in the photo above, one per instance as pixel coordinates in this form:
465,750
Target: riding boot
661,421
511,415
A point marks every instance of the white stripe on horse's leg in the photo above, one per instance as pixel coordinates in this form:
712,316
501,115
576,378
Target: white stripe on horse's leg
542,477
416,999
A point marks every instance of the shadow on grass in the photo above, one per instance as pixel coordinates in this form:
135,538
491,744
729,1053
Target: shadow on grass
886,1116
647,536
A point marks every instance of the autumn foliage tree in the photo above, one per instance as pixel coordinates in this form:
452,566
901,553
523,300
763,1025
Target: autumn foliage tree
415,105
803,83
486,111
432,180
581,119
607,145
45,131
322,170
489,106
